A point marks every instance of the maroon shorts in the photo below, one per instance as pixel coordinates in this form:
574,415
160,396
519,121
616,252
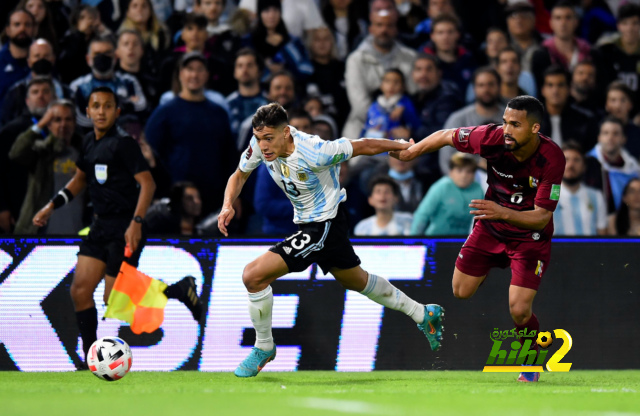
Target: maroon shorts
482,251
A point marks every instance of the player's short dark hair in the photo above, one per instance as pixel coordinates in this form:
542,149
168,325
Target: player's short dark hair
622,87
565,4
269,115
614,120
39,81
556,70
195,19
462,160
573,145
486,70
628,10
533,107
384,180
448,18
510,49
106,90
429,57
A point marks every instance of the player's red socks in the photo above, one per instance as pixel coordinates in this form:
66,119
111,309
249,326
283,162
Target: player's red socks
88,325
531,325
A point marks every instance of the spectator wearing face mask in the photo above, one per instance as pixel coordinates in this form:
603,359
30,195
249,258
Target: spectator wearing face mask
42,61
101,59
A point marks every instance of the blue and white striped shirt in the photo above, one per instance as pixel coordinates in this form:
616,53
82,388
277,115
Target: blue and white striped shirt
582,213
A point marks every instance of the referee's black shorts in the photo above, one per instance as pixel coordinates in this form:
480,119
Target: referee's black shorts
325,243
106,242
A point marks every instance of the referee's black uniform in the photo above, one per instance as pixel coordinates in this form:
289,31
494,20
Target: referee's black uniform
110,165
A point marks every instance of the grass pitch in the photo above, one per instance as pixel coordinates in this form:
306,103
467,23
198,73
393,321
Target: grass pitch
321,393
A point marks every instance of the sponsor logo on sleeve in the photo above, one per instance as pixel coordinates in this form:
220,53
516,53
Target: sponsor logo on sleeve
555,192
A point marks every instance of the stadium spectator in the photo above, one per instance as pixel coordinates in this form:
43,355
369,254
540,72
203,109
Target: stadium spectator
244,102
327,81
563,48
377,53
563,121
85,24
222,42
383,197
434,9
101,60
392,115
626,220
581,209
619,104
356,203
435,99
584,90
495,41
345,24
41,61
14,176
300,16
485,110
314,106
180,131
621,55
521,24
456,61
141,17
413,181
163,9
325,127
60,14
276,46
51,163
194,36
444,210
513,80
44,21
18,34
178,214
609,164
301,120
130,54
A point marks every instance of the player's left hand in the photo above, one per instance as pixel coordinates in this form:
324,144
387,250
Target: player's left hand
486,210
133,235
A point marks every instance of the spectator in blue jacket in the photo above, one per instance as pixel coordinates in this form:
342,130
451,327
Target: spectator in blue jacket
275,45
392,110
457,63
244,102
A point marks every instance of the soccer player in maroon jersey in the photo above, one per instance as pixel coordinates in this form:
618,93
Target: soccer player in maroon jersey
513,225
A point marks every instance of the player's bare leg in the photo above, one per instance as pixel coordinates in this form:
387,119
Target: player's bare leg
520,307
464,285
257,278
380,290
89,271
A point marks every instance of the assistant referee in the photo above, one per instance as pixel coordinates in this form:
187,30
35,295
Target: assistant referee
121,188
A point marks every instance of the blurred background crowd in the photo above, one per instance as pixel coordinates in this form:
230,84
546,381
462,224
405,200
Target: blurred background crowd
189,75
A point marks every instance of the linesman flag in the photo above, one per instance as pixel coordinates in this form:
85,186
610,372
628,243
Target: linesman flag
137,299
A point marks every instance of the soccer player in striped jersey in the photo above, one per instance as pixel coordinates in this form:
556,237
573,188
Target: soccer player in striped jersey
307,169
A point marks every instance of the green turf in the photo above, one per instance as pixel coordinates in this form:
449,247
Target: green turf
321,393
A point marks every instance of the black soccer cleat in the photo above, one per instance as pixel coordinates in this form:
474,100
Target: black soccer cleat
189,296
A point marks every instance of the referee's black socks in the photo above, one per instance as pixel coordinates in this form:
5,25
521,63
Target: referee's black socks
88,325
186,292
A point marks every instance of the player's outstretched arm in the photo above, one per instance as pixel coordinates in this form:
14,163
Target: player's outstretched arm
429,144
529,220
371,147
231,193
74,187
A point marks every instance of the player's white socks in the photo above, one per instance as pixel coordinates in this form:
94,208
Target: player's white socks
260,307
379,290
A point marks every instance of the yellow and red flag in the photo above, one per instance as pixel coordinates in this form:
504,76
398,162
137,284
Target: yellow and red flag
137,299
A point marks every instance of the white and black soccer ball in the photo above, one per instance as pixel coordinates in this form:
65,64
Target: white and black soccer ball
110,358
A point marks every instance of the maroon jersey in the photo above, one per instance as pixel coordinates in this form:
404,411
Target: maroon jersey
513,184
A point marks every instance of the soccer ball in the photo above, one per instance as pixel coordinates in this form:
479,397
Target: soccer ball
109,358
544,339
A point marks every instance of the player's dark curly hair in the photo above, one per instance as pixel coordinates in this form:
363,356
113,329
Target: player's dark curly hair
269,115
533,107
622,214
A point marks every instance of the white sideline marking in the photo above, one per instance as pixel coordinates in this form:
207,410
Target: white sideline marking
343,406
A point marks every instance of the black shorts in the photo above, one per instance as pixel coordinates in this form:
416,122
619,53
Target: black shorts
106,242
325,243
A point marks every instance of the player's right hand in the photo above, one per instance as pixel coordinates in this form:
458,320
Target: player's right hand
406,154
42,217
224,218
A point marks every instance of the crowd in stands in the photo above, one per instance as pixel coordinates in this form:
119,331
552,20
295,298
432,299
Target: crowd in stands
189,75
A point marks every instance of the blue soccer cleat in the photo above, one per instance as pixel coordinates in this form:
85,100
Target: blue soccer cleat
432,325
528,377
255,362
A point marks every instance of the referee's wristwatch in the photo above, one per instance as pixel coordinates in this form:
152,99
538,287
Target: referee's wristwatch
138,219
